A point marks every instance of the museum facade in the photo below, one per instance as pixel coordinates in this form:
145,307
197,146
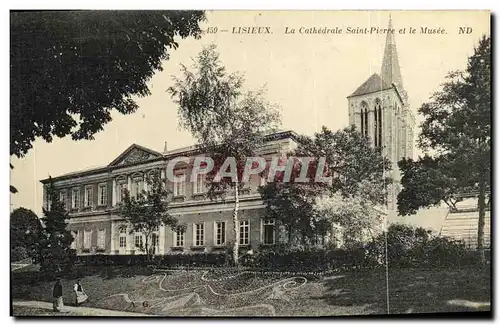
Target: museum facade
92,198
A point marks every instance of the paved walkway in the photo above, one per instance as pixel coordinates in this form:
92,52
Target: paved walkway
84,311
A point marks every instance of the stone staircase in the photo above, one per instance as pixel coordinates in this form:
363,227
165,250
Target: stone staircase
462,225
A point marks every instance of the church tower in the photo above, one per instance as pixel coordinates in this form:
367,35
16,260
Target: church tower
379,109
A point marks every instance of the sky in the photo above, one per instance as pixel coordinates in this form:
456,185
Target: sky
308,75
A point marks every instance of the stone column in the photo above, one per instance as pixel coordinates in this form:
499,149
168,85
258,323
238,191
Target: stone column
357,120
388,130
384,128
352,114
130,241
371,126
161,240
129,183
114,193
394,127
395,153
167,181
410,140
113,236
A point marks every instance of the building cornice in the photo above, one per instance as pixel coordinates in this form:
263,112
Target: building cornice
193,207
190,151
244,200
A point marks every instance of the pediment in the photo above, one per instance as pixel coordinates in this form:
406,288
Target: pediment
135,154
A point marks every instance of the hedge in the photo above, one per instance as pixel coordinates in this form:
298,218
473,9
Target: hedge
172,260
407,247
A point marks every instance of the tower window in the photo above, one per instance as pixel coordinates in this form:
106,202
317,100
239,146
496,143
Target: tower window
378,125
364,119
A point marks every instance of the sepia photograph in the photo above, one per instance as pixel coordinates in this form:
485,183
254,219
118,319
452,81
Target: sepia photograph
217,163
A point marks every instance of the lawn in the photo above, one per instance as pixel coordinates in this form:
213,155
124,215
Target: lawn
199,293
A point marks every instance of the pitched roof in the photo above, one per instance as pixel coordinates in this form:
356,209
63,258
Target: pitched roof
373,84
390,71
138,148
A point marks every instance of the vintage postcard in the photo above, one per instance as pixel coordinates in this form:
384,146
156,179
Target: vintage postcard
250,163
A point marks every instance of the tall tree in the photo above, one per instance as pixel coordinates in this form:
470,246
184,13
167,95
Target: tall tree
147,210
25,230
54,252
292,206
357,176
352,215
226,121
70,69
457,132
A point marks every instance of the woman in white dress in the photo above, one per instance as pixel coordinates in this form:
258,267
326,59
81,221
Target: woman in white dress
80,295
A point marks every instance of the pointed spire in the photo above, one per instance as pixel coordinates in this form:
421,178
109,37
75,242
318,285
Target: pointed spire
165,148
391,73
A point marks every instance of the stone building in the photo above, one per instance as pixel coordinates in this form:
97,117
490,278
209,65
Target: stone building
92,198
379,109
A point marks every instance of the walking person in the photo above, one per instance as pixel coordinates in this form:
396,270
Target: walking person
57,296
80,296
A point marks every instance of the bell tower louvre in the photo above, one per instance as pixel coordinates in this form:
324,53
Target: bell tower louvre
380,111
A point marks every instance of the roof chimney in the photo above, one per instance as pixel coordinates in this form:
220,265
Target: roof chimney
165,148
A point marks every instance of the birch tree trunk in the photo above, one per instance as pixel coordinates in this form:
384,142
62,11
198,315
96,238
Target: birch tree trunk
480,224
147,246
236,224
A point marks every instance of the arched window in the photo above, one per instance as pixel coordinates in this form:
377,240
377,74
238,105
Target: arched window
364,119
378,124
121,186
122,231
137,185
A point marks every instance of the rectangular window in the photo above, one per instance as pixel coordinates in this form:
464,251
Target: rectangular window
75,198
123,240
199,185
155,240
79,242
244,232
268,231
88,197
137,187
199,234
120,192
62,198
220,233
87,238
138,240
75,239
179,237
180,186
103,195
101,239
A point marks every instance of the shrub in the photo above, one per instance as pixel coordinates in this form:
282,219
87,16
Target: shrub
441,251
163,261
409,246
279,258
